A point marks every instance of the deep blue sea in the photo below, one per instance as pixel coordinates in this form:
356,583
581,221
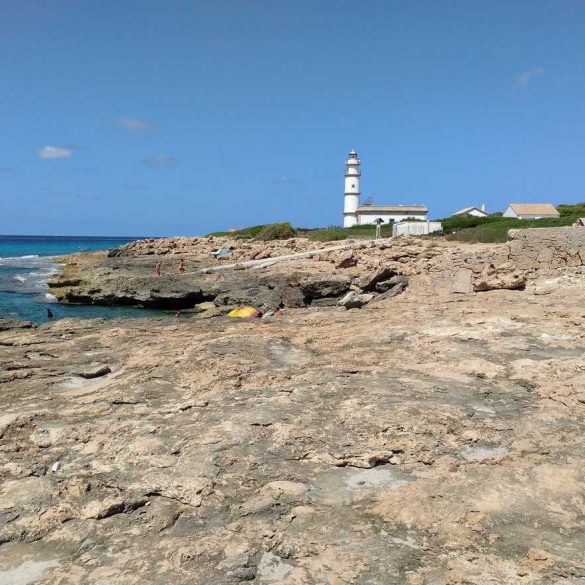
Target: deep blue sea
26,262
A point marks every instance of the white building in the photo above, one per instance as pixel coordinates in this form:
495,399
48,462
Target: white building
531,210
416,228
367,214
474,211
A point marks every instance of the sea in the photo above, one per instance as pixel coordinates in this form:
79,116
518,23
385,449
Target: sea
26,264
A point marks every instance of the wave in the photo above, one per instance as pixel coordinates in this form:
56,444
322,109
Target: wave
26,274
27,257
27,261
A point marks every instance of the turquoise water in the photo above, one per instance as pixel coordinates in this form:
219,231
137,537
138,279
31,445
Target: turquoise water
26,263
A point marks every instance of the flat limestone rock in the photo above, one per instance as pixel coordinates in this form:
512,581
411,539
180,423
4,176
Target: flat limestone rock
95,370
6,324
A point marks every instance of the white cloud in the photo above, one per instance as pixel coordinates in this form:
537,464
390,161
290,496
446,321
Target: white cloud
134,125
52,152
527,76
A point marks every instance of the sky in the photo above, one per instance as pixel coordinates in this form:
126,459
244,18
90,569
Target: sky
176,117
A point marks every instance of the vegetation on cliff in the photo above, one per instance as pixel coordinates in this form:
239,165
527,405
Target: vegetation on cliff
281,231
493,228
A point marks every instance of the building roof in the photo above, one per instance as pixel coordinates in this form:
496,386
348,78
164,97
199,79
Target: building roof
534,209
392,209
468,209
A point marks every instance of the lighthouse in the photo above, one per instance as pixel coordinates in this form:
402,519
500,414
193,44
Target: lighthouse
351,197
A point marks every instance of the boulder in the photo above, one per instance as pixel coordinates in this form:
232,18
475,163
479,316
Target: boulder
346,260
385,285
392,292
503,277
369,280
261,293
355,300
325,302
326,285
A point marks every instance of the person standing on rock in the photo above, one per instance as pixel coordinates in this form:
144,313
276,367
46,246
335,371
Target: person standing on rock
182,266
378,223
157,267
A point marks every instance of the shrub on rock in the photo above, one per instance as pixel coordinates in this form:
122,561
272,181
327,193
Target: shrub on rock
277,231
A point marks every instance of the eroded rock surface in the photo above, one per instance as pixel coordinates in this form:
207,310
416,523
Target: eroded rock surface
429,438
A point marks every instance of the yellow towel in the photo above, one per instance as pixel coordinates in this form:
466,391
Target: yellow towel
244,312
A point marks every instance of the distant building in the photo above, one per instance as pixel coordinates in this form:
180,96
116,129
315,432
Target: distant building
474,211
530,211
416,228
368,213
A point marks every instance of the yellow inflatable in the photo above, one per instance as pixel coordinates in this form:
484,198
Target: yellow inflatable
244,312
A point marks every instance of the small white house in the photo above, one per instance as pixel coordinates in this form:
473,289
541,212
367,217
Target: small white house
474,211
531,210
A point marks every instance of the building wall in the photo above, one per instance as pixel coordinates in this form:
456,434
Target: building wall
477,213
369,219
509,212
352,184
416,228
349,220
535,216
350,204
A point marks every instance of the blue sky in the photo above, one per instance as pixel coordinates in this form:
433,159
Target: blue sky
156,117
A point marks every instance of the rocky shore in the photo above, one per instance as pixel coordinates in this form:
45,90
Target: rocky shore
429,437
127,276
292,273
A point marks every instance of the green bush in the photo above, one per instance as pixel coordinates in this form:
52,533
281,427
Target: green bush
466,221
328,234
497,231
255,231
277,231
577,210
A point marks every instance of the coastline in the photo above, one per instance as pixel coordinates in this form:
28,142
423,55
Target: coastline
26,265
282,273
288,274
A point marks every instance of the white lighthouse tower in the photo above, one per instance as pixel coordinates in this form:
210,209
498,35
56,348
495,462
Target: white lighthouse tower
351,197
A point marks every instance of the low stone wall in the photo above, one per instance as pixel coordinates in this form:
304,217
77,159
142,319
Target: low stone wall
547,248
527,254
